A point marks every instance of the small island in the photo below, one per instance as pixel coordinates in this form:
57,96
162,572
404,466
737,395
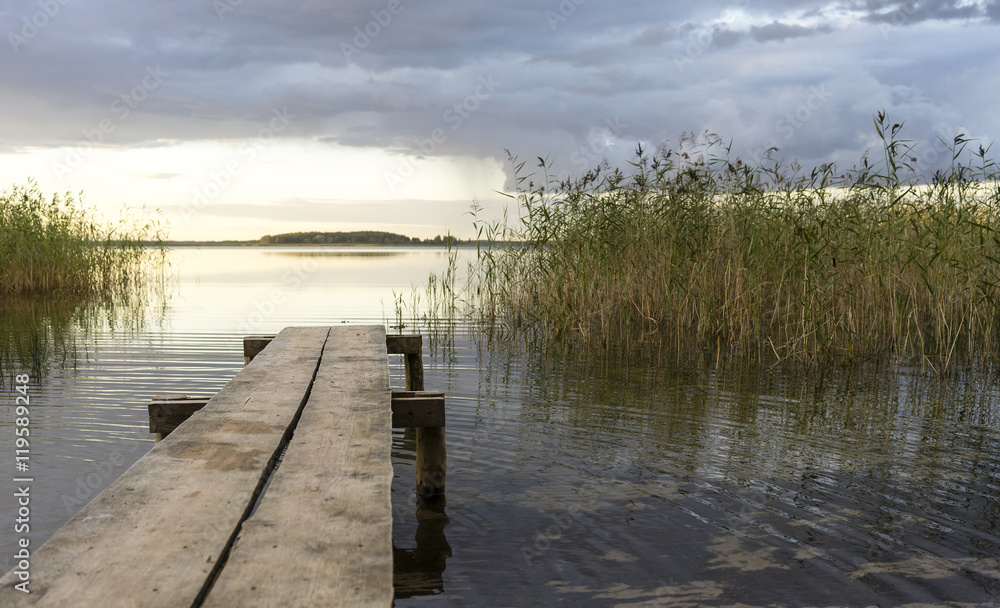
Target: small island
359,237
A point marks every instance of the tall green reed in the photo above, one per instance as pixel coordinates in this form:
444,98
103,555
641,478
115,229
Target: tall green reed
57,245
692,250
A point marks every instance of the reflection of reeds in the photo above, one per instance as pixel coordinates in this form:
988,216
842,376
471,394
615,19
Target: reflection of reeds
694,251
41,332
34,333
57,245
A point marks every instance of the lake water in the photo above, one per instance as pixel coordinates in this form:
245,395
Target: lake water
569,483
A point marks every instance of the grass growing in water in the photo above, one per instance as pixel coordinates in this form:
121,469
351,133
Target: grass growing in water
694,251
51,245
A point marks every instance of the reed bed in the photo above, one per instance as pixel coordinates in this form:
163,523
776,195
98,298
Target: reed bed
694,251
56,245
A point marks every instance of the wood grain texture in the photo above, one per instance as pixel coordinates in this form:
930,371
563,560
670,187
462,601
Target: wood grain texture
398,344
252,345
432,462
165,415
413,366
322,534
155,535
418,409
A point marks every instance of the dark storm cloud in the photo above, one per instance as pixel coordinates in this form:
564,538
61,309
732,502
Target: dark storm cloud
782,31
912,12
395,73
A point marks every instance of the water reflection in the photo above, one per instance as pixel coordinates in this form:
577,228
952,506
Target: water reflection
419,569
345,252
40,333
588,484
570,482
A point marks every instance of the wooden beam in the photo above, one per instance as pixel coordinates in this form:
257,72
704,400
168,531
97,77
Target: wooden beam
421,409
252,345
167,412
398,344
322,534
410,409
155,536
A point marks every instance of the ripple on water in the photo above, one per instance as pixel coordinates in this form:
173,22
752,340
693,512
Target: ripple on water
627,489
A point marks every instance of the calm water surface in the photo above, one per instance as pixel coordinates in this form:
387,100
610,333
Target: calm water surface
569,483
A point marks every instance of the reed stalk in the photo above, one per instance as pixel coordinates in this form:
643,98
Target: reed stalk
692,250
57,245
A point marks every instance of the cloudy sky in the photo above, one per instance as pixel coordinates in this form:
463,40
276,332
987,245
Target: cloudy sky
238,118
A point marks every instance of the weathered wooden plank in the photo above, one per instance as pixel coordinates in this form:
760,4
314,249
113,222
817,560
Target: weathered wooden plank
421,409
154,537
322,534
397,344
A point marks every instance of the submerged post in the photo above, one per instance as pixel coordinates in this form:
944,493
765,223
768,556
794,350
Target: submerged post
432,462
432,455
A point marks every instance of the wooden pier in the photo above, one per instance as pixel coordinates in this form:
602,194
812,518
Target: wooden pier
206,518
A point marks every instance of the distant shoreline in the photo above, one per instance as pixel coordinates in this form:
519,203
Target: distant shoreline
356,238
259,244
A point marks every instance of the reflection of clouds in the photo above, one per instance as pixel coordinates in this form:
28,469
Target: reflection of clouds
730,553
931,567
667,593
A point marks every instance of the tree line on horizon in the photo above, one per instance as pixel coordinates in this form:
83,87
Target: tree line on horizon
362,237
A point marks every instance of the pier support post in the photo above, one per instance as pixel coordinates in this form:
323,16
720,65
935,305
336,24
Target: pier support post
252,345
432,454
167,412
432,462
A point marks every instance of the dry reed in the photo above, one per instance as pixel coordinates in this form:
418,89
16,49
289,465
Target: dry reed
694,251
